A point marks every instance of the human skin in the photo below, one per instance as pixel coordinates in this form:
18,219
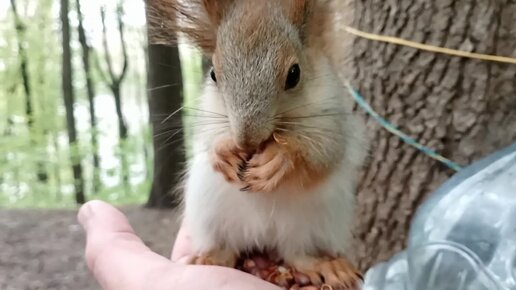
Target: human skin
119,260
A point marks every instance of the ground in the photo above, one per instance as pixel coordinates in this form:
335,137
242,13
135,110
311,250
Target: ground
43,249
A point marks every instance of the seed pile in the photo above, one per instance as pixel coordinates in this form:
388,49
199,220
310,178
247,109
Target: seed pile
276,272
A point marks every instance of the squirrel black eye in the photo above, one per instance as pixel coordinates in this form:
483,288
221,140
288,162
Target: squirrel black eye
212,74
294,75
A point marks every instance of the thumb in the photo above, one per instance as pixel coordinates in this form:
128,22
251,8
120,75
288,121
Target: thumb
115,255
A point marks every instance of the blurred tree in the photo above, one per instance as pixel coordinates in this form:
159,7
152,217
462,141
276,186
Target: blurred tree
146,85
90,91
206,66
461,107
114,82
165,98
20,28
69,101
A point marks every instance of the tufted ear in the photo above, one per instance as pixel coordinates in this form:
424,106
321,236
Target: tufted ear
298,11
216,10
197,20
301,14
309,16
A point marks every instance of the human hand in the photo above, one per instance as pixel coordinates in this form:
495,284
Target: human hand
119,260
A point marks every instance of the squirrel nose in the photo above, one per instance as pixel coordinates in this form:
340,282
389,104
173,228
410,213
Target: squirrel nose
250,133
252,144
247,144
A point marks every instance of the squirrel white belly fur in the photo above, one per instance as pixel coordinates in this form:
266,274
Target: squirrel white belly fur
276,147
220,215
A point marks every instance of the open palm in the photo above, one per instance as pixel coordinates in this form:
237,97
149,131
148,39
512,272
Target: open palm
119,260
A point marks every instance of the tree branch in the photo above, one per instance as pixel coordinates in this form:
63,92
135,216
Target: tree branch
96,62
24,65
119,14
105,44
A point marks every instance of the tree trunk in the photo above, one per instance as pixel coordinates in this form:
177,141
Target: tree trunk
122,130
69,100
122,127
90,91
206,65
164,70
114,82
8,131
460,107
20,28
145,102
57,168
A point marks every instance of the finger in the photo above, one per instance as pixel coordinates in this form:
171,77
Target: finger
115,255
210,277
182,245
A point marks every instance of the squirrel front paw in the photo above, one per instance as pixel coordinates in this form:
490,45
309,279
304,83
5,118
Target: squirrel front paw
267,169
329,273
222,258
229,160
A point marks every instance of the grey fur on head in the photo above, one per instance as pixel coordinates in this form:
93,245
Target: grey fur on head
250,59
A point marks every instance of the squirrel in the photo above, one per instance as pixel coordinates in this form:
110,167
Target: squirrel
275,161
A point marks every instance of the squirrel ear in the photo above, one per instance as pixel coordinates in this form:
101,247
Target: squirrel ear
216,10
311,17
299,13
198,20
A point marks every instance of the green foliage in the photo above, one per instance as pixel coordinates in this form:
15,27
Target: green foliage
19,157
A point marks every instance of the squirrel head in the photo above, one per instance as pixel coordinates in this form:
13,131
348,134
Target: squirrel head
259,55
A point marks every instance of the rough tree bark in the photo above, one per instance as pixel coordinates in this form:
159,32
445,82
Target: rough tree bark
463,108
90,91
20,28
165,97
69,100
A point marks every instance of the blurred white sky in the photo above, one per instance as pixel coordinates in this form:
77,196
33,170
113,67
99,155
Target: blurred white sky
134,8
134,15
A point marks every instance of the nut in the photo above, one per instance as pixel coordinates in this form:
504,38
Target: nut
249,264
301,279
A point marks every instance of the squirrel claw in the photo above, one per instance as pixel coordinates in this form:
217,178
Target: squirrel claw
329,273
229,161
222,258
267,170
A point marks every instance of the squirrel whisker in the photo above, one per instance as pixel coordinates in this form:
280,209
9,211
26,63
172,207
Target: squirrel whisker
328,101
204,111
195,124
189,108
310,116
161,87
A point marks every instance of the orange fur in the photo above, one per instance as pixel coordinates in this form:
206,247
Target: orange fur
216,10
228,159
198,20
297,11
277,165
283,165
216,258
338,273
